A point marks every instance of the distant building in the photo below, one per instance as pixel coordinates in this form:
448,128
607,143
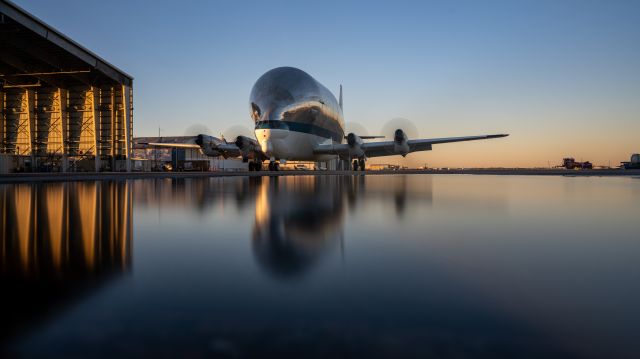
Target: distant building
381,167
298,165
229,164
634,162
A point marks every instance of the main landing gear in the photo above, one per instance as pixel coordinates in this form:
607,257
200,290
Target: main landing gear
257,166
358,164
274,166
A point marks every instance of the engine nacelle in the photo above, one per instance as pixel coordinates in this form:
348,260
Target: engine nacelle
355,145
208,145
248,146
400,145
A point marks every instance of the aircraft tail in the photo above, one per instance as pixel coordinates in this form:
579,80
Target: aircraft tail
340,99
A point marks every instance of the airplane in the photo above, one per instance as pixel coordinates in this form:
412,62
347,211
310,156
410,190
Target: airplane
297,118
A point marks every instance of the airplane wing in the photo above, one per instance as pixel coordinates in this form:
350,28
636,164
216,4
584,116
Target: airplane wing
226,150
168,142
210,146
388,148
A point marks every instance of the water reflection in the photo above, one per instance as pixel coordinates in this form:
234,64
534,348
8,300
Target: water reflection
327,266
59,240
198,194
296,221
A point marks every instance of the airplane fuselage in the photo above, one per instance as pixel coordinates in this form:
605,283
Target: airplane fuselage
293,114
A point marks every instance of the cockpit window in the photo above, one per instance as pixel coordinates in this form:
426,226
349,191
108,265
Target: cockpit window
274,125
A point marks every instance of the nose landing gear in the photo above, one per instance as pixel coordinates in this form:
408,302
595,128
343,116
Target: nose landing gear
358,164
255,166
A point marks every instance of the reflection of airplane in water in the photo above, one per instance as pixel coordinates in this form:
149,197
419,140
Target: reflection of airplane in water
297,118
297,219
59,241
295,225
382,187
300,219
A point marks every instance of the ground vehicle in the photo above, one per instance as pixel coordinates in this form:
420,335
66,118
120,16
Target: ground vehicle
570,164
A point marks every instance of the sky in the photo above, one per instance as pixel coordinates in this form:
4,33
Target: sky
561,77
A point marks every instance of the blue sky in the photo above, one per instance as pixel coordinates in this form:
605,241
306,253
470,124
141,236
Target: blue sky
563,77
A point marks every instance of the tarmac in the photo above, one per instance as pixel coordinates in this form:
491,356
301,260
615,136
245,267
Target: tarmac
103,176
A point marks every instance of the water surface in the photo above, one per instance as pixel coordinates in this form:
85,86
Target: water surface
446,266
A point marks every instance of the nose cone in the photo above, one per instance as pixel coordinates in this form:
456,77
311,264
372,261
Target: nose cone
266,146
270,139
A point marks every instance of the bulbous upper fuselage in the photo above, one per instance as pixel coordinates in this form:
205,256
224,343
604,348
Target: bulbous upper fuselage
287,102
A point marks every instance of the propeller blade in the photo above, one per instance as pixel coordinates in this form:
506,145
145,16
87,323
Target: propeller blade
409,128
197,129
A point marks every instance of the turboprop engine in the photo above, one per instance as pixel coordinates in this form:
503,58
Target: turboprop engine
400,145
247,146
208,145
355,145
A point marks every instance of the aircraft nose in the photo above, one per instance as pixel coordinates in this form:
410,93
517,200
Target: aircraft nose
267,147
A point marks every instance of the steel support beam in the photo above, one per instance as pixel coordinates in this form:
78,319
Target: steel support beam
51,124
128,123
3,121
63,112
82,127
24,128
95,110
15,112
113,139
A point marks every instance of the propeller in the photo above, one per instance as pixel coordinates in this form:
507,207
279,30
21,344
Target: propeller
401,130
197,129
236,131
408,127
357,128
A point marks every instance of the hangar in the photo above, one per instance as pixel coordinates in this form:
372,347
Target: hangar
62,108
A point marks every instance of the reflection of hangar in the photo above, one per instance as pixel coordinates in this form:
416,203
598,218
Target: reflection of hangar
62,107
59,241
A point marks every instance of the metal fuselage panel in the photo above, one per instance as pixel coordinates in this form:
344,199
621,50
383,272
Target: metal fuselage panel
293,113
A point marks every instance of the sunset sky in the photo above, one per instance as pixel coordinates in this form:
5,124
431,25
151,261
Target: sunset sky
562,77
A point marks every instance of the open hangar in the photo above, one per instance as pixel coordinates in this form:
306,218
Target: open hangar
62,108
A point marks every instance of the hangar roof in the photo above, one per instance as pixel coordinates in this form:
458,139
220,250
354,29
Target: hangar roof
33,53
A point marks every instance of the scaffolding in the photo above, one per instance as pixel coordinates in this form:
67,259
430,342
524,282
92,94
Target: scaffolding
76,129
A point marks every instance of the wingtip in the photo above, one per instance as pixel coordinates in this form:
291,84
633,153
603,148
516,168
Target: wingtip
499,135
